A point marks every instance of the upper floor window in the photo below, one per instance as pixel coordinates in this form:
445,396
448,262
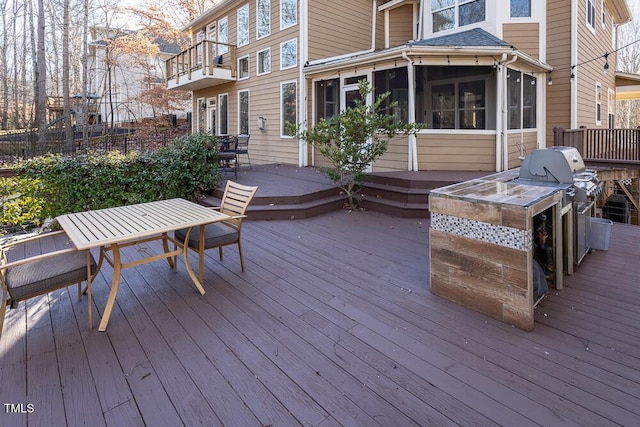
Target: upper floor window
243,68
520,8
243,25
288,13
448,14
288,54
263,18
591,14
223,35
264,61
603,15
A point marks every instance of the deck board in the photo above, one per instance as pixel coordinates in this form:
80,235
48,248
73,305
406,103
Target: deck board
331,324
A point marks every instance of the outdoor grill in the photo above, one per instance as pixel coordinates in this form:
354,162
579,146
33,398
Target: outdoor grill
563,168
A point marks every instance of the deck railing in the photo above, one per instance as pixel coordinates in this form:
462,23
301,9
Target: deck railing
602,145
205,55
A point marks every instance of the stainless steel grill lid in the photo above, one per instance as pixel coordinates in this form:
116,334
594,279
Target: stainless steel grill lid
553,164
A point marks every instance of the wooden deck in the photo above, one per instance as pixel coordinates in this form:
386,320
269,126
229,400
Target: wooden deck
331,324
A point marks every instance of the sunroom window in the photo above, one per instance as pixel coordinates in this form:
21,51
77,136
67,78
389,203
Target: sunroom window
521,95
394,81
327,98
459,105
449,14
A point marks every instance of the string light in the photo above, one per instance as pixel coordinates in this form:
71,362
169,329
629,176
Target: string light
549,81
605,56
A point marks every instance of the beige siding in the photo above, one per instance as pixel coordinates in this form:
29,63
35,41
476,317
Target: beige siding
396,157
264,91
401,25
590,68
525,37
559,56
521,144
339,26
590,46
450,151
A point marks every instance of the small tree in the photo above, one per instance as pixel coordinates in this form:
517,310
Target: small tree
355,138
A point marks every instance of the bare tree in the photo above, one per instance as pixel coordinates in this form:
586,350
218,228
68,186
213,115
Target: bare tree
66,94
41,77
628,111
4,69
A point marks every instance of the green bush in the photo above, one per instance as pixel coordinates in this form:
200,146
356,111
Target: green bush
53,185
20,211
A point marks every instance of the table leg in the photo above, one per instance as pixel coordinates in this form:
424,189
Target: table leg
115,282
165,246
89,280
185,249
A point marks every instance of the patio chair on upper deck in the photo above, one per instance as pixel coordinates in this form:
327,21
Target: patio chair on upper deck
235,200
243,147
22,279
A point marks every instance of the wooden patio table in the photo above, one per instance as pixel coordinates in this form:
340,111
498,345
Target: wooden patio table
115,228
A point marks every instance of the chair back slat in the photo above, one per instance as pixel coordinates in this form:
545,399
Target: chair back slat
243,144
236,199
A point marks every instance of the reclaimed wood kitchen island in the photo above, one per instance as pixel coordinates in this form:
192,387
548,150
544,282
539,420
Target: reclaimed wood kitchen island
481,244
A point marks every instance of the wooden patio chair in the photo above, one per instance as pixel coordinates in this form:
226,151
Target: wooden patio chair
29,277
243,147
235,200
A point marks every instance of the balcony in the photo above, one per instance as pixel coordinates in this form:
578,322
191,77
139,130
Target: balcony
203,65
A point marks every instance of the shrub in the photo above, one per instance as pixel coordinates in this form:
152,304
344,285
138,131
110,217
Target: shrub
20,211
354,138
53,185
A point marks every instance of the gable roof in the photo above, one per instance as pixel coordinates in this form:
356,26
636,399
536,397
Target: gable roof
476,37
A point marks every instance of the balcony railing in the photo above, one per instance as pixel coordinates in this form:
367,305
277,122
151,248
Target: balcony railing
614,146
201,62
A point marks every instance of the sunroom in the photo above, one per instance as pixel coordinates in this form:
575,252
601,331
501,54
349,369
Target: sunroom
481,101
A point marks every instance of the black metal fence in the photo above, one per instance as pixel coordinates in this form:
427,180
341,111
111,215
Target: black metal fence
24,145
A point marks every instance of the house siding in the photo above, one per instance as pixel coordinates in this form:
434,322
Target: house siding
333,33
521,144
524,37
396,157
452,151
559,56
591,68
264,91
401,23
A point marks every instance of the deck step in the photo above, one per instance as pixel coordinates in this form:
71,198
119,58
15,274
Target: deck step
293,193
268,209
